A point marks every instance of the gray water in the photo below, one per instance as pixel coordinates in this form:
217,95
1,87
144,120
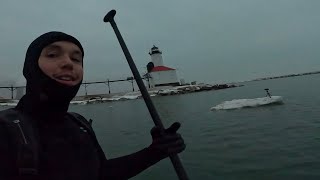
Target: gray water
269,142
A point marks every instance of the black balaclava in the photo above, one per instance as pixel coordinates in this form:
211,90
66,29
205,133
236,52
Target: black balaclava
45,96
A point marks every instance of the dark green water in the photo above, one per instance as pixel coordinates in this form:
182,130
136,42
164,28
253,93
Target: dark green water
270,142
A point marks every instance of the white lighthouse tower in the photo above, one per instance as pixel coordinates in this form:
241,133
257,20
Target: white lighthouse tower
160,75
156,56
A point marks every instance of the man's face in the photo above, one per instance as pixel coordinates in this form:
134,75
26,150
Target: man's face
62,62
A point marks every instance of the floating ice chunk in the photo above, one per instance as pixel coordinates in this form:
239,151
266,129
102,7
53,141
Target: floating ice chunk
241,103
164,92
78,102
8,104
130,96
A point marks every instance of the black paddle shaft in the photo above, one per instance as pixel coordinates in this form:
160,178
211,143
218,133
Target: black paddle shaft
152,110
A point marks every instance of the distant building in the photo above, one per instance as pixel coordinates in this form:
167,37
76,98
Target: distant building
159,74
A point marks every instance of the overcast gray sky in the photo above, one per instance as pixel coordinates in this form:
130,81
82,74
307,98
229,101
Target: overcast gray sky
208,41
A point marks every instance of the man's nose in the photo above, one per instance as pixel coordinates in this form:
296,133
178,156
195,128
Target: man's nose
66,62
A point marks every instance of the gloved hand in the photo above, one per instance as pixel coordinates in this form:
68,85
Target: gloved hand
169,143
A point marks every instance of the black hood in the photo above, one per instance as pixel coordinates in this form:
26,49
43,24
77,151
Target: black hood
44,94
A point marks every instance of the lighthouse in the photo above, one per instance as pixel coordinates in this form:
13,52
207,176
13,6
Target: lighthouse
156,56
160,75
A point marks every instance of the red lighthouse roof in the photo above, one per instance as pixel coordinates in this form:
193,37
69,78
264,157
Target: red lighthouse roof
161,68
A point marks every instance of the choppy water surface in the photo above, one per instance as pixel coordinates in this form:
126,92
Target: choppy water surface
269,142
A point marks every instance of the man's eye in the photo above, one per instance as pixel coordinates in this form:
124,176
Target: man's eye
76,60
51,55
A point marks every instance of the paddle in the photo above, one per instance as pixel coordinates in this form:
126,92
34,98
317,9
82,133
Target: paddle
152,110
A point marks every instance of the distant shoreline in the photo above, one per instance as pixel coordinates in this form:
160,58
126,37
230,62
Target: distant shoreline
157,91
286,76
86,97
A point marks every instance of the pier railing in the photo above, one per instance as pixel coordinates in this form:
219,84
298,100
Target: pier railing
85,84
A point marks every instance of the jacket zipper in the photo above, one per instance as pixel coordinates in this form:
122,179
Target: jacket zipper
21,131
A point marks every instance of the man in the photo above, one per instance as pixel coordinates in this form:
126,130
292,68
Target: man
60,146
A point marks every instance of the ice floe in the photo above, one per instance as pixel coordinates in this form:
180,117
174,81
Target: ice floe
242,103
